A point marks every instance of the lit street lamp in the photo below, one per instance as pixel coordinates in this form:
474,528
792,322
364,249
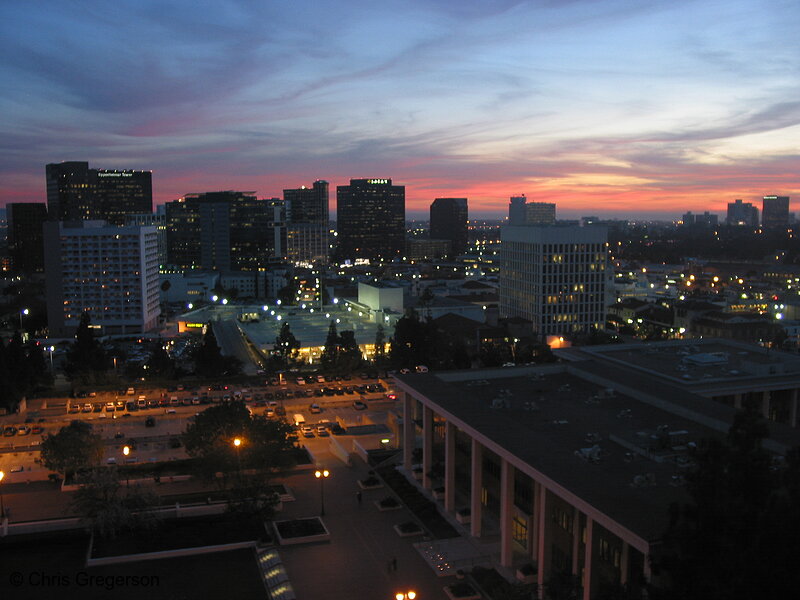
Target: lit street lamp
322,476
2,508
126,451
51,349
236,443
24,311
410,595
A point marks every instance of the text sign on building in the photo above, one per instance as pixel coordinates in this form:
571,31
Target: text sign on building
378,181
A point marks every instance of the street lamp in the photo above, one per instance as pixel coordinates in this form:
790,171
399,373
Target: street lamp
126,450
322,476
51,349
236,443
410,595
24,311
2,508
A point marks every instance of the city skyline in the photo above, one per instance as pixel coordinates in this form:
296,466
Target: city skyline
615,108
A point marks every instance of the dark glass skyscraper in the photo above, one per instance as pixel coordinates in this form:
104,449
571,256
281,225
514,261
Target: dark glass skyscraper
370,219
76,192
307,223
449,217
775,212
25,238
222,231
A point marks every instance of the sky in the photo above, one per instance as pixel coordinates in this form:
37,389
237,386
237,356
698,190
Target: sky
615,108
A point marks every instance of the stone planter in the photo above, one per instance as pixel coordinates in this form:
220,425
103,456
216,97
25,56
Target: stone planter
301,531
389,506
462,591
526,573
369,486
408,529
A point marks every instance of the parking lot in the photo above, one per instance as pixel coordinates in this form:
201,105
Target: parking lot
155,417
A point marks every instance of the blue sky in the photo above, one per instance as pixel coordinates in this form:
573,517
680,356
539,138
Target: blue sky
617,108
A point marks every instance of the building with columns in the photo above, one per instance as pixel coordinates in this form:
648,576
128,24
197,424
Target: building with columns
572,466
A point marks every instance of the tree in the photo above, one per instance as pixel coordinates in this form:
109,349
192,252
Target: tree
208,359
411,342
85,357
109,508
160,362
286,345
349,352
380,345
736,536
74,447
263,449
330,354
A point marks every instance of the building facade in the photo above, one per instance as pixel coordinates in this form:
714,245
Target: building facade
307,223
742,214
25,237
76,192
223,231
449,221
775,212
370,219
554,277
110,272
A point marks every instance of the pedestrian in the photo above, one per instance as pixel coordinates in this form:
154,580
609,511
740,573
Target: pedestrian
394,563
358,497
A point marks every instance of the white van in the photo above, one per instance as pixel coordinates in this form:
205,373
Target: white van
299,420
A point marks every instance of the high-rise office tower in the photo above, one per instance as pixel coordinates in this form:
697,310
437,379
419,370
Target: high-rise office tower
157,221
516,210
221,231
25,237
74,191
370,219
554,277
742,213
109,271
307,223
522,212
775,212
449,219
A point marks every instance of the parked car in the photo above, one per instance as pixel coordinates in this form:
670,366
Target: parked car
314,409
359,405
307,431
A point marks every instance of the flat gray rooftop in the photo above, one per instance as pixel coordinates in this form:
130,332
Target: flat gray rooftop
624,456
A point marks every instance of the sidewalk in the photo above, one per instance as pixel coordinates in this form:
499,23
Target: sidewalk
354,564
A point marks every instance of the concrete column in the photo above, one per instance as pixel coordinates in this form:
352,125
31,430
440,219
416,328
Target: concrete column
409,433
587,561
623,563
576,539
476,508
427,446
449,467
765,398
542,518
793,409
535,522
506,512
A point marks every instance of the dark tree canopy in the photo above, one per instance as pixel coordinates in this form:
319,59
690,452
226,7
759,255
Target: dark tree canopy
74,447
85,357
211,436
286,345
738,537
330,355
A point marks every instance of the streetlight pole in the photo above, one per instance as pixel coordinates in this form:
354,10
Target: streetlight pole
236,443
24,311
322,476
125,452
51,349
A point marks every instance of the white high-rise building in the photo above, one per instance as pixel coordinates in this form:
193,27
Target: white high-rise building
111,272
555,277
